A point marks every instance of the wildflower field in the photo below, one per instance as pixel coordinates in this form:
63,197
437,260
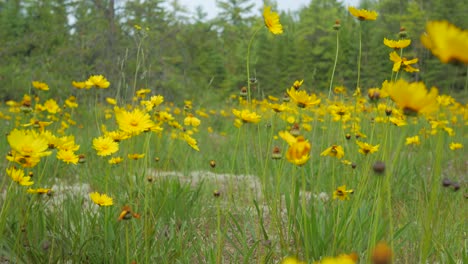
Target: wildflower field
303,175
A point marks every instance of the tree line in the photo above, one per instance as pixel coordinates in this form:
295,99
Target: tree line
159,44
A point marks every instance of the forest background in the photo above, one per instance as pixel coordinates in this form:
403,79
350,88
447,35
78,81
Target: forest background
183,55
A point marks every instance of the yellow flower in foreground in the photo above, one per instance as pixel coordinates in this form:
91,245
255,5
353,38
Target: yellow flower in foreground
446,41
27,147
334,151
366,148
454,146
105,146
40,85
133,122
363,14
399,61
413,98
101,199
246,116
67,156
299,148
413,140
17,175
291,260
98,81
191,141
397,44
302,99
341,259
272,21
341,193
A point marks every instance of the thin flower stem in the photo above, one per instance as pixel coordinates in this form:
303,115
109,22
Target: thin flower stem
248,62
334,65
359,57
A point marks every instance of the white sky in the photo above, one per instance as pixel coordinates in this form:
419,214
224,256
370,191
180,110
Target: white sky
209,6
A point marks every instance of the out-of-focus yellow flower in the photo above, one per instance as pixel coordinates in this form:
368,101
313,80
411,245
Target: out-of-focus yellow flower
191,141
40,86
397,44
105,146
115,160
27,147
339,90
272,21
302,99
299,148
71,102
362,14
98,81
39,190
342,194
247,116
297,84
17,175
67,156
111,101
127,214
413,98
413,140
333,151
101,199
51,106
341,259
454,146
191,120
446,41
135,156
142,93
291,260
366,148
398,62
80,85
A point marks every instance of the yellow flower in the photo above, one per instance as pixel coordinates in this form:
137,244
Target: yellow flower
80,85
413,140
17,175
39,190
341,259
299,148
136,156
51,106
366,148
27,147
341,193
190,120
333,151
133,122
153,102
454,146
363,14
382,253
105,146
40,85
115,160
302,99
71,102
291,260
398,62
111,101
101,199
191,141
272,21
142,93
413,98
397,44
278,107
98,81
297,84
446,41
246,116
339,90
67,156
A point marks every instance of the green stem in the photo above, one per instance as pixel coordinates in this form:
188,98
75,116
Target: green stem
359,57
334,65
248,62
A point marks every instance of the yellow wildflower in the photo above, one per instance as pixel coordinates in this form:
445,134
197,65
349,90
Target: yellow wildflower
397,44
17,175
272,21
399,61
101,199
333,151
454,146
363,14
105,146
413,98
341,193
40,85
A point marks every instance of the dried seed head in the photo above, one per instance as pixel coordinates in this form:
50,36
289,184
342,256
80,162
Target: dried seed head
446,182
216,193
276,153
456,186
212,163
379,167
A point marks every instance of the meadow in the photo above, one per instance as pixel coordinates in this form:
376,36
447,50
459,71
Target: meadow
342,175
